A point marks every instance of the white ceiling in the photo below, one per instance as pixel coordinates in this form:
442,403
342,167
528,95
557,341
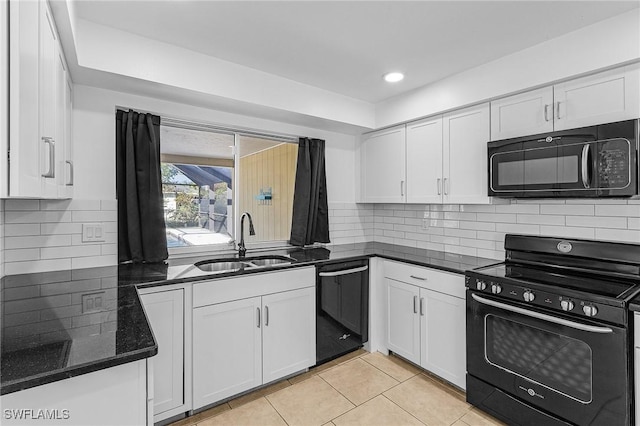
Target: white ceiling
345,46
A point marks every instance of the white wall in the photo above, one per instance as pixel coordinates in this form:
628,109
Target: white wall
94,140
601,45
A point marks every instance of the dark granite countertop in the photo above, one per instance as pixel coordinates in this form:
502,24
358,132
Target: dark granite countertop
62,324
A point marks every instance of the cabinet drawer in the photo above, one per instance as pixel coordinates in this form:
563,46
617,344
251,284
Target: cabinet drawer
443,282
245,286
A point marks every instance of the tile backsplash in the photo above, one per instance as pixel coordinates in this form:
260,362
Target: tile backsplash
479,230
351,223
46,235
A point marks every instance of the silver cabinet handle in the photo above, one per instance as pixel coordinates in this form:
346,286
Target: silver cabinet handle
446,187
258,314
558,110
70,175
344,271
546,112
402,188
439,181
415,304
585,166
415,277
266,316
422,306
545,317
51,171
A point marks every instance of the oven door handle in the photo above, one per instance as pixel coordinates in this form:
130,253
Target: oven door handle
344,271
545,317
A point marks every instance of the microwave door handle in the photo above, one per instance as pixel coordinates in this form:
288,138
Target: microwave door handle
544,317
586,179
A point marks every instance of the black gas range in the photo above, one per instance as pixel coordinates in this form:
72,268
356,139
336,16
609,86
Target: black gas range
548,332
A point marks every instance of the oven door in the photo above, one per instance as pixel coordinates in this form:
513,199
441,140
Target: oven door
575,370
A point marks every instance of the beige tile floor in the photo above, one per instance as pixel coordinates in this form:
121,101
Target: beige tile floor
360,388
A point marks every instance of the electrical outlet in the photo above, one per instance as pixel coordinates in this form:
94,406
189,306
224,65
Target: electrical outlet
92,232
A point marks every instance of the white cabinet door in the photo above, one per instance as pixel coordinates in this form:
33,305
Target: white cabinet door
443,335
165,311
383,166
50,110
424,161
66,185
403,321
521,115
288,334
466,133
599,98
227,350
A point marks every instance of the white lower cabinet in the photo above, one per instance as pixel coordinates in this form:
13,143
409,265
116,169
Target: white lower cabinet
249,331
426,319
113,396
165,311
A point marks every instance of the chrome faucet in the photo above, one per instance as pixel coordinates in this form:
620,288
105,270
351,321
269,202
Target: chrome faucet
241,248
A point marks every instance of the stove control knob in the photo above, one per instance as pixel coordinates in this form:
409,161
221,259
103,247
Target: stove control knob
496,288
566,305
590,310
529,296
481,285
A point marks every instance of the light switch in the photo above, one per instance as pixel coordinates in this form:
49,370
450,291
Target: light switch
92,232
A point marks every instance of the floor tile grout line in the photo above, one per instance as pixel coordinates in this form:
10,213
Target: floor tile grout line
394,403
276,410
375,366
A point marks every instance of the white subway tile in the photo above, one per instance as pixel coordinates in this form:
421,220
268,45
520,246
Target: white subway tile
460,216
32,266
71,251
518,208
93,261
108,204
445,240
19,255
518,228
37,241
567,232
93,216
478,208
497,217
20,205
469,251
21,229
61,228
404,213
483,244
597,221
634,223
36,216
463,233
394,220
568,209
480,226
491,254
491,236
538,219
618,210
624,235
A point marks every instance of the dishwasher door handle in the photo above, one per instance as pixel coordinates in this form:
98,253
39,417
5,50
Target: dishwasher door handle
344,271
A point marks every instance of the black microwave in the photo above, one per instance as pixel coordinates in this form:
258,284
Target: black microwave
589,162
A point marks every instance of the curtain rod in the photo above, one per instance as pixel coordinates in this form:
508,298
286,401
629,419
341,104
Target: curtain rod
192,125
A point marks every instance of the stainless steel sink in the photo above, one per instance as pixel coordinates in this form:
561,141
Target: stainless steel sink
222,265
237,264
261,261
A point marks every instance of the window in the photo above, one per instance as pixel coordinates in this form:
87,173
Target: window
207,183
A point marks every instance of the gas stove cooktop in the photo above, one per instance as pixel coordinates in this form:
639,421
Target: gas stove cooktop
589,279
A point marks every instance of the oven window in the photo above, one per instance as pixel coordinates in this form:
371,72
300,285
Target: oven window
539,171
558,362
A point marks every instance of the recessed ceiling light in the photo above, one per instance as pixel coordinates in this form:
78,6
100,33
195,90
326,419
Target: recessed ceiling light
393,77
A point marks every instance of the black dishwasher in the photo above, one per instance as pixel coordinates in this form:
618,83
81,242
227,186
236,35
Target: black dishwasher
342,309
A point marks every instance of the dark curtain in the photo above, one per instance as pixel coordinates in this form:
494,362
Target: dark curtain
141,227
310,222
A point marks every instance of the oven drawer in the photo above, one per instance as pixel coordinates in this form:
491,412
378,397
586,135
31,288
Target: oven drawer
443,282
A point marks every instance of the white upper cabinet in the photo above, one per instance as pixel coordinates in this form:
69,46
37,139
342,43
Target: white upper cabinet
605,97
424,161
383,166
608,96
38,78
524,114
466,133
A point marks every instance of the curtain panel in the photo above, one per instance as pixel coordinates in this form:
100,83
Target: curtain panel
141,226
310,220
